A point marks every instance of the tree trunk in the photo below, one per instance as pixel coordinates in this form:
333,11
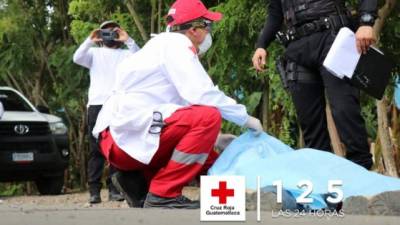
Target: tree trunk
131,8
7,80
159,15
301,143
41,56
82,148
384,136
36,90
396,135
153,15
383,13
14,83
383,121
29,188
396,124
265,104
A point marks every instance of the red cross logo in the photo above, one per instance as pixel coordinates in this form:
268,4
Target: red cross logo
193,49
222,192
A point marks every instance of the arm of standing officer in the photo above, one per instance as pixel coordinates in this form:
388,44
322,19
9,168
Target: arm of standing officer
365,35
271,27
129,42
194,85
83,55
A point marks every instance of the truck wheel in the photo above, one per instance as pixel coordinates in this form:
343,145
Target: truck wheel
50,185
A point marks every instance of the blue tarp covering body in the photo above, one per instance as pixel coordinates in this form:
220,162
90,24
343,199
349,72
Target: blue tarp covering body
272,160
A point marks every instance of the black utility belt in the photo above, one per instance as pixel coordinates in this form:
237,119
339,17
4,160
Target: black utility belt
290,71
334,22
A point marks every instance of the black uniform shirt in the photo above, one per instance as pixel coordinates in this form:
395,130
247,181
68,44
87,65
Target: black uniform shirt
275,19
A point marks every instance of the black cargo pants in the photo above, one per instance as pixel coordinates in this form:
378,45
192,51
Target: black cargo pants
309,101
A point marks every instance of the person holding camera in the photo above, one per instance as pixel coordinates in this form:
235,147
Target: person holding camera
102,62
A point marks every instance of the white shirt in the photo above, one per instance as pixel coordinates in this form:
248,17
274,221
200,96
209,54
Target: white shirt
102,63
163,76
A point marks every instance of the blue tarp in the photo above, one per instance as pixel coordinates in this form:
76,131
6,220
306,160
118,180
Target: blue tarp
397,93
272,160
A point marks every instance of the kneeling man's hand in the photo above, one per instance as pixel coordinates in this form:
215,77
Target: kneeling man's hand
255,125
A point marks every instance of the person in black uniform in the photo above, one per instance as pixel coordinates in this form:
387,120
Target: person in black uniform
311,27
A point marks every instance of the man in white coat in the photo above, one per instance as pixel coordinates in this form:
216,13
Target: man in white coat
102,62
165,114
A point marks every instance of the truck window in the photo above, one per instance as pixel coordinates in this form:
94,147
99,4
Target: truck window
13,102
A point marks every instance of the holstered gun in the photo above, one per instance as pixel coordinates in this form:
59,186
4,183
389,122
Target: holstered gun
281,68
290,71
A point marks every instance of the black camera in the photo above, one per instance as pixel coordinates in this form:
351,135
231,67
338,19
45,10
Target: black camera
108,35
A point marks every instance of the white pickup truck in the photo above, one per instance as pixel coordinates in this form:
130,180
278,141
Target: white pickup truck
33,144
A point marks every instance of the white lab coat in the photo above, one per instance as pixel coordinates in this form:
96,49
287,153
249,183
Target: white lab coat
163,76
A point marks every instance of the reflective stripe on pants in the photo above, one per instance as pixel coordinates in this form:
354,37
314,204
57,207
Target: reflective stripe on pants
185,150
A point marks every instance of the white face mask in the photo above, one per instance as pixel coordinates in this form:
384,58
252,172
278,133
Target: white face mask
205,45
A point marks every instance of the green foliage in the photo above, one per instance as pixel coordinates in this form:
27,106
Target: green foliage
390,37
80,30
71,81
251,102
369,114
230,64
10,189
88,15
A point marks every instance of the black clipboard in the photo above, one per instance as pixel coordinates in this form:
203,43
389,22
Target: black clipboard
373,72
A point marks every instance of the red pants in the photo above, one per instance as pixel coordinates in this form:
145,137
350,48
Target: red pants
185,150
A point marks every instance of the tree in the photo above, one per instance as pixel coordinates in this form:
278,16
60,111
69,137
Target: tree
387,145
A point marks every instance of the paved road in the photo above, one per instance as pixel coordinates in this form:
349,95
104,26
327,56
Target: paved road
34,215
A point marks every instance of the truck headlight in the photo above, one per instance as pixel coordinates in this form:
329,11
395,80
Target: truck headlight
58,128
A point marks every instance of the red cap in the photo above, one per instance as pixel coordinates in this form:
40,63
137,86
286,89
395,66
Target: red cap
183,11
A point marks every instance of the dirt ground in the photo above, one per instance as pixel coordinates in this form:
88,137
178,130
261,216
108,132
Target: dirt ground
73,209
73,200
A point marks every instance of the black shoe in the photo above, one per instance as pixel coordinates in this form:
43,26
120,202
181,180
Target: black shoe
180,202
115,196
94,198
132,186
